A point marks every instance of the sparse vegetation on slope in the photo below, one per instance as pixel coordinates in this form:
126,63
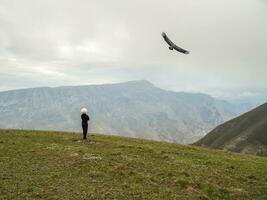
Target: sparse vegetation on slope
53,165
246,133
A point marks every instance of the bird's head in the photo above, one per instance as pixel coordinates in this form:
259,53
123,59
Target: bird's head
163,34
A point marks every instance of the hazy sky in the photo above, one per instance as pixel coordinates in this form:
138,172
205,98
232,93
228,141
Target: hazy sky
72,42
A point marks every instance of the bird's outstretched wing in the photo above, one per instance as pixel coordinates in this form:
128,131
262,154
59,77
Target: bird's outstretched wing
172,45
180,49
169,42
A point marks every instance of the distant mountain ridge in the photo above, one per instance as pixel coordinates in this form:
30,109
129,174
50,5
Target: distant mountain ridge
135,109
246,133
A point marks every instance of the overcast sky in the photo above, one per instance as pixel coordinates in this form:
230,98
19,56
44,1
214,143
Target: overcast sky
73,42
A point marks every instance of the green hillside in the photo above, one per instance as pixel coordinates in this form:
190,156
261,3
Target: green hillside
246,133
53,165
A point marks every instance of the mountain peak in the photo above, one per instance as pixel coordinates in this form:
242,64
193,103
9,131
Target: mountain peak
139,82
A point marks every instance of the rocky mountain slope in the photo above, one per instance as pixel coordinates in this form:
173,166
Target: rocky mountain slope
246,133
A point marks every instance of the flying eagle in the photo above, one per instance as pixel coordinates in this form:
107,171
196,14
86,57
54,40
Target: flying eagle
172,45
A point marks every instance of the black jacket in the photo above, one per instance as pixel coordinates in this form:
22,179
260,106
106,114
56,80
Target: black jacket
85,118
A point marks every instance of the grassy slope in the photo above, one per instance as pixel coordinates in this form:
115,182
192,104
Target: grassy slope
50,165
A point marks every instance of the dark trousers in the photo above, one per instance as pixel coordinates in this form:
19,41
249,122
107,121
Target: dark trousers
85,129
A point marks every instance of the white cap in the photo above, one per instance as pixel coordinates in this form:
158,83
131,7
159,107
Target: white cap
83,110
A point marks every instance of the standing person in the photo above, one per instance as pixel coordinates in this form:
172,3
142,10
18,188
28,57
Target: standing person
85,119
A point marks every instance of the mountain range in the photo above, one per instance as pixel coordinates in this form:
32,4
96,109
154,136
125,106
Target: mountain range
134,109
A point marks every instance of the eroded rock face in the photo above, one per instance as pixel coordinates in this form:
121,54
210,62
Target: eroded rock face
135,109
